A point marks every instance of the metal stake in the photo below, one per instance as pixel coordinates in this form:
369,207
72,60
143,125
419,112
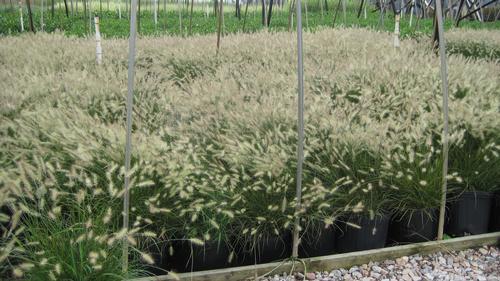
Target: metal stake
444,88
128,142
300,123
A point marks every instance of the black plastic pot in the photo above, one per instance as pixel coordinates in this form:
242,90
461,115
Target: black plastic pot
317,241
371,235
267,249
189,257
159,252
495,214
415,227
469,214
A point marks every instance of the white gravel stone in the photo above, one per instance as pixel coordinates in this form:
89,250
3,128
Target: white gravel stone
481,264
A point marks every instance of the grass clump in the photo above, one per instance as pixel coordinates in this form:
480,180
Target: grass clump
214,143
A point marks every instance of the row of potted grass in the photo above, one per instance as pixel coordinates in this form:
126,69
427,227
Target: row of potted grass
215,142
469,213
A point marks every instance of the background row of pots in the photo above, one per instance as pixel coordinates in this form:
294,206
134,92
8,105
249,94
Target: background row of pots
472,213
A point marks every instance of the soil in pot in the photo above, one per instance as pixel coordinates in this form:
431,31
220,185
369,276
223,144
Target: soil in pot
495,214
189,257
267,249
317,241
414,227
469,214
371,235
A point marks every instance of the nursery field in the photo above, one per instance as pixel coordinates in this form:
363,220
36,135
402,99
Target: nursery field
214,148
174,19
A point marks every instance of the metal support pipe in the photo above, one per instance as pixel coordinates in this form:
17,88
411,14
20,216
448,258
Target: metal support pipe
444,88
128,141
300,131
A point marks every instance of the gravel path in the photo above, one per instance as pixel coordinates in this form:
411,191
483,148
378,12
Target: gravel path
481,264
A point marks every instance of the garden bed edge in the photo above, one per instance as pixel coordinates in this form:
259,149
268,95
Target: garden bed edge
337,260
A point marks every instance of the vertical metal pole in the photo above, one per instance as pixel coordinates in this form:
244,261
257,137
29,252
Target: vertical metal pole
396,30
128,141
41,17
411,11
98,48
21,20
344,10
300,129
90,16
155,12
444,88
219,25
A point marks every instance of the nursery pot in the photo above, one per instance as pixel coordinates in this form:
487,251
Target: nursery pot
470,213
414,227
315,242
158,251
495,214
267,249
371,235
191,257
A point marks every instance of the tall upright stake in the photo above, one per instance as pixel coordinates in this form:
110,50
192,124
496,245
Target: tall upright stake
191,18
98,48
344,10
128,141
41,17
30,16
300,128
411,11
219,26
155,12
21,20
396,29
444,88
179,8
245,17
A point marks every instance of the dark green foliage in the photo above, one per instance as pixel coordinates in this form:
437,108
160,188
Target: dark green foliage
168,22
